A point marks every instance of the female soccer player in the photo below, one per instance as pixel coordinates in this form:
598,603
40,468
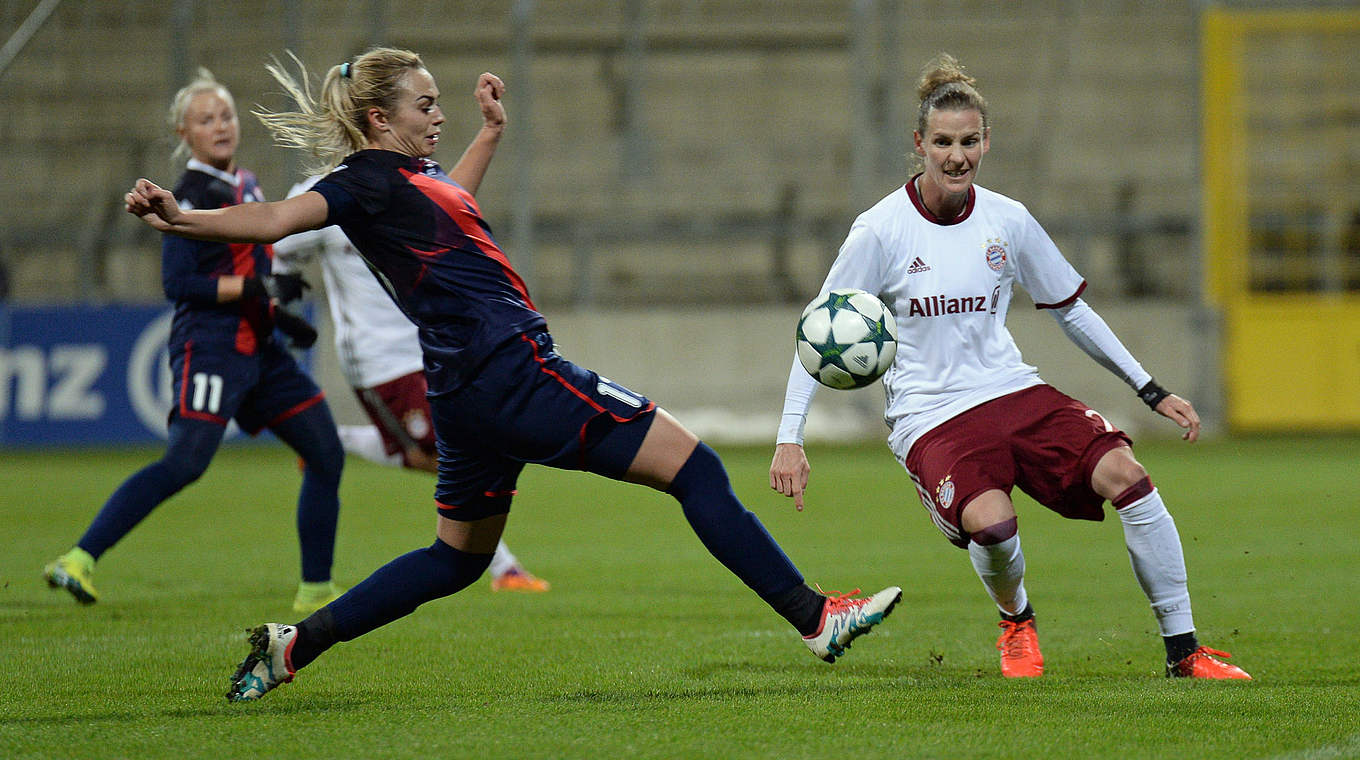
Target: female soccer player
969,419
500,394
379,354
225,362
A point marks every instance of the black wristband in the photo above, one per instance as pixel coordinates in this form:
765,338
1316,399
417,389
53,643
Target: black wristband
300,334
253,287
288,287
1152,394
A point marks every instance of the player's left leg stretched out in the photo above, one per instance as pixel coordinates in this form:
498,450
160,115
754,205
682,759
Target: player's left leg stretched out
1158,562
672,459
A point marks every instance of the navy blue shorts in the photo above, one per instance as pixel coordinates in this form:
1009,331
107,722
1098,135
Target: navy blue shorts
215,383
529,405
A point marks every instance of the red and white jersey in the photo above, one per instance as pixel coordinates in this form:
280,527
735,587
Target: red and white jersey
949,285
374,341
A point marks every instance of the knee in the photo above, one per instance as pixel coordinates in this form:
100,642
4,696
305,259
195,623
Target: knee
325,460
988,513
326,468
1116,473
703,469
184,469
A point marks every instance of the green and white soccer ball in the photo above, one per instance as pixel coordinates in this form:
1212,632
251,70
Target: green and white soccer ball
847,338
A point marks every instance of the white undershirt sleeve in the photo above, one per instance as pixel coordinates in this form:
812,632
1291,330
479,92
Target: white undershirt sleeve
1086,329
859,264
797,398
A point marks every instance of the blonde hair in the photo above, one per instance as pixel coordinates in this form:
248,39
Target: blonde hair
331,125
944,85
203,81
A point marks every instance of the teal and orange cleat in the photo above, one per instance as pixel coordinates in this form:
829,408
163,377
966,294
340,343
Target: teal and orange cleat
268,665
844,619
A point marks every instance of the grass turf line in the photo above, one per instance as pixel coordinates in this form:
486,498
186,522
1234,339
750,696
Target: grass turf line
646,647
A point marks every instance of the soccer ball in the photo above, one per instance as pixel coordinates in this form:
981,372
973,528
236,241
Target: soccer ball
847,338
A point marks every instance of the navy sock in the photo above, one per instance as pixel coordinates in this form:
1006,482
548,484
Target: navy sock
311,433
729,531
190,450
394,590
802,607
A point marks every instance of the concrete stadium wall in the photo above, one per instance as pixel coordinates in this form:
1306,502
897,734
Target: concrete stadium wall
722,372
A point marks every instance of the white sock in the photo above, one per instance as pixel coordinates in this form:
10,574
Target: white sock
1002,570
502,561
1158,563
367,442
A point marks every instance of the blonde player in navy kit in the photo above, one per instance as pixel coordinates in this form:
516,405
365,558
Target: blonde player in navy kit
500,394
379,354
970,420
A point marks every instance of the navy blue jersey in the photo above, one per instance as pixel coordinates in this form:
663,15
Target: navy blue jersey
190,268
426,239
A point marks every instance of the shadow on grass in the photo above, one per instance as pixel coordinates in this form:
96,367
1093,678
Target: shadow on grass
216,709
782,681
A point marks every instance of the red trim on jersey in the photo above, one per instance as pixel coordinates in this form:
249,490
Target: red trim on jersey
581,433
184,410
920,205
488,494
462,209
243,264
296,410
577,391
1066,301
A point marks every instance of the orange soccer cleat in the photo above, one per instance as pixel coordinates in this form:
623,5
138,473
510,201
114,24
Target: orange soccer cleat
1019,645
1204,663
519,579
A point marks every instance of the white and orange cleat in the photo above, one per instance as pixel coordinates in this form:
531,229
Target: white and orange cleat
1019,645
519,579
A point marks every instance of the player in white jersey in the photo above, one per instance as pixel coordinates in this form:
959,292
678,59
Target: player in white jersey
970,420
379,354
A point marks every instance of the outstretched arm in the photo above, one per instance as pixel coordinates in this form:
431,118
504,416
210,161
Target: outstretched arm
471,167
1085,328
243,223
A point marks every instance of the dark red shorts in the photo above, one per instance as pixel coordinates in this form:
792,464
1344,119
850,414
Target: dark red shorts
1039,439
401,412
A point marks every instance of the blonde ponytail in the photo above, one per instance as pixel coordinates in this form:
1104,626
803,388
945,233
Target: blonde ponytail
331,124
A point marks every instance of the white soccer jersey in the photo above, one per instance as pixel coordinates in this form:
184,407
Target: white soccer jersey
949,285
374,341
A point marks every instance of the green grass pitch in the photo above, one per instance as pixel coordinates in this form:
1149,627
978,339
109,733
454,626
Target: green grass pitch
646,647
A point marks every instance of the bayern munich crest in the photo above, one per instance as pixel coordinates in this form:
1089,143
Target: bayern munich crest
996,254
944,493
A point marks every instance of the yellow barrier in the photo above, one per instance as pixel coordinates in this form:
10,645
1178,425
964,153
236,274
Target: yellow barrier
1289,293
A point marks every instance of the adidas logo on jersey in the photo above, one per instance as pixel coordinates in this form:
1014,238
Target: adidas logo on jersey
918,266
